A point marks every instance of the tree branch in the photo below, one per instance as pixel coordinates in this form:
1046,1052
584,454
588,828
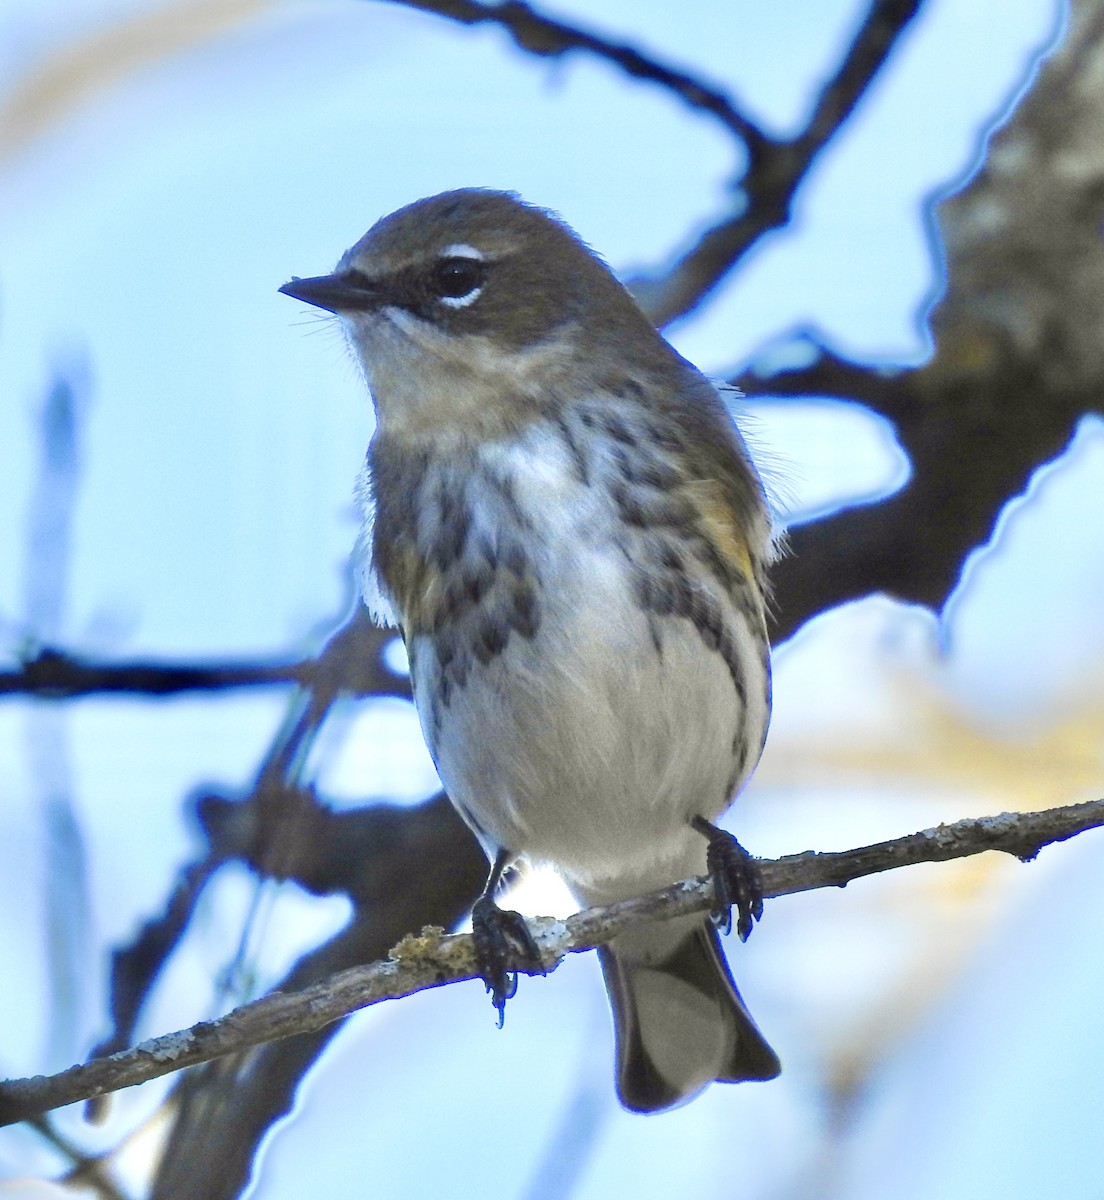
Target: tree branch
822,372
350,663
1017,361
433,958
223,1110
57,675
776,169
546,38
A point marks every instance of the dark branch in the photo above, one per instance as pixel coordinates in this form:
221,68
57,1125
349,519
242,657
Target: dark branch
825,374
880,31
223,1110
776,169
56,675
1017,364
546,38
87,1172
350,664
433,958
912,545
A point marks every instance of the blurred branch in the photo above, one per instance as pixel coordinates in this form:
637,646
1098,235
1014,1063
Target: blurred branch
76,64
135,967
53,503
433,958
546,38
280,830
88,1172
913,545
967,464
1017,362
48,568
350,663
822,372
224,1110
775,167
57,675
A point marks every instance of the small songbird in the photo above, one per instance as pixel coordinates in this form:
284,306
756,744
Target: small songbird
564,523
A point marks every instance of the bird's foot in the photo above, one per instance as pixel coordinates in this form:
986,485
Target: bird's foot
503,946
736,880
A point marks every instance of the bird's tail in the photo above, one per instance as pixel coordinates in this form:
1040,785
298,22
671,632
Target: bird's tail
679,1022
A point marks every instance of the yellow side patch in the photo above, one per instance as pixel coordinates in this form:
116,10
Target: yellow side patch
721,524
417,589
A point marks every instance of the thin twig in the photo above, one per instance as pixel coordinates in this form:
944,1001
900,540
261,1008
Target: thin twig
48,571
87,1171
547,38
776,169
801,365
433,958
350,663
56,675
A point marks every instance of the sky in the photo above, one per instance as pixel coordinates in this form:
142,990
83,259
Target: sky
145,226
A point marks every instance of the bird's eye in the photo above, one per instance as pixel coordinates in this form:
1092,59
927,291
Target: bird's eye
458,281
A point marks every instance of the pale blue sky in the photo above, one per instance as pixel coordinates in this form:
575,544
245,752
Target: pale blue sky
144,235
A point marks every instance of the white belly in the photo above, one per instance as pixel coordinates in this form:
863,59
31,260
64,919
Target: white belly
587,745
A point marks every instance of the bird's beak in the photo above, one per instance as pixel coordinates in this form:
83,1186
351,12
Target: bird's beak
344,291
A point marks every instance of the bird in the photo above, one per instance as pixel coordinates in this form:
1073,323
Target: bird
564,523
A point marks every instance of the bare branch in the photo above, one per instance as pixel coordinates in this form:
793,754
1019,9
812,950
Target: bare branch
350,663
884,24
966,467
433,958
57,675
546,38
223,1110
1018,361
87,1171
776,169
822,372
912,545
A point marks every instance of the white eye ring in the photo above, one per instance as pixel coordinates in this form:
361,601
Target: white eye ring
462,301
462,251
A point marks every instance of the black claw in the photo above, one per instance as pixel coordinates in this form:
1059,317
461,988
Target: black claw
737,881
503,946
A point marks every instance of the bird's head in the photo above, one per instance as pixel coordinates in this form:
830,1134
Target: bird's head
475,307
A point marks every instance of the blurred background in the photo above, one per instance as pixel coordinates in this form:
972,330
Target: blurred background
915,316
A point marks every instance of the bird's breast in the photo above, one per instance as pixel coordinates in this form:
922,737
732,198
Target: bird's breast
586,656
